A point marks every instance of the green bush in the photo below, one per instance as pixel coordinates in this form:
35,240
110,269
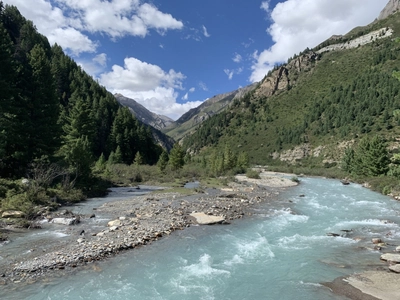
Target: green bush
253,174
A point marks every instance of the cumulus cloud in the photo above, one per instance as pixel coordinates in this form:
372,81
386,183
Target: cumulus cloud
160,100
298,24
149,85
67,22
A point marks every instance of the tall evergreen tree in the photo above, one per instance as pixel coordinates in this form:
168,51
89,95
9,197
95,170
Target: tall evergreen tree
177,157
43,130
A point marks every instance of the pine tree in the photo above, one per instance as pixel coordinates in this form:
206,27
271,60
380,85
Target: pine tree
100,165
138,159
43,130
176,157
163,160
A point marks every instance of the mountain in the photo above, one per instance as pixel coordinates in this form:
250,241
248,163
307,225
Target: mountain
143,114
189,121
392,7
322,101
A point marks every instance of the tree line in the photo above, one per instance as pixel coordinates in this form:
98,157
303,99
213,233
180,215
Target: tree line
50,108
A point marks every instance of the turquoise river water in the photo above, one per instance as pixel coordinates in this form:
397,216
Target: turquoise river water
281,253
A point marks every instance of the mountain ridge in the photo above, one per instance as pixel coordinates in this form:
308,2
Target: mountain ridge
143,114
293,113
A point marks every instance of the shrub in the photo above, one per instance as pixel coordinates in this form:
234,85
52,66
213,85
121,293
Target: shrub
253,174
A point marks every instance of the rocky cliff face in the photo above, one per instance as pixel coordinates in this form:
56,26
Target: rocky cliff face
143,114
392,7
280,79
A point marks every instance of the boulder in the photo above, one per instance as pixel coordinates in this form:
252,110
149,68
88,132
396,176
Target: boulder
114,228
395,268
203,219
391,257
65,221
13,214
376,241
114,223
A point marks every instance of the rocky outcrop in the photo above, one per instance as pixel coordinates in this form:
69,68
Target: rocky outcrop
282,78
392,7
360,41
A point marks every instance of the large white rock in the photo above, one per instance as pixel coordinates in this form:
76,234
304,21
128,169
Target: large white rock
203,219
64,221
395,268
114,223
13,214
391,257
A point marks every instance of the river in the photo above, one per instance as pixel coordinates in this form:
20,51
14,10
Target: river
283,252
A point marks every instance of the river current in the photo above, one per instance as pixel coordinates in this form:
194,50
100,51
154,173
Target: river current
283,252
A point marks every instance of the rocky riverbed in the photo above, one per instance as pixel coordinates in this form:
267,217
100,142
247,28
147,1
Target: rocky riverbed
142,220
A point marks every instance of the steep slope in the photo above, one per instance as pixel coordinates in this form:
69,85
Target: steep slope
392,7
318,103
189,121
143,114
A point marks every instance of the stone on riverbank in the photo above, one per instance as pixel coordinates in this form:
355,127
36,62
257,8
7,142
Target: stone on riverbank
391,257
65,221
13,214
395,268
114,223
203,219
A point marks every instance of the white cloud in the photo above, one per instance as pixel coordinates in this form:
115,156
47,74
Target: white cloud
298,24
101,59
67,22
95,66
203,86
237,58
140,76
186,97
265,5
150,85
192,90
230,73
161,100
205,32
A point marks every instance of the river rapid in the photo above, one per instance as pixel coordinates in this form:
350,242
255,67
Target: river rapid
281,252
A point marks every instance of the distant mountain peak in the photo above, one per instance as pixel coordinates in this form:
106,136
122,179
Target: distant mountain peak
143,114
392,7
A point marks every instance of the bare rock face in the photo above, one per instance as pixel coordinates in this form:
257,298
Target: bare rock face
392,7
279,79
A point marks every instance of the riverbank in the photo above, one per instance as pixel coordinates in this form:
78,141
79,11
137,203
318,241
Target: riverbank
142,220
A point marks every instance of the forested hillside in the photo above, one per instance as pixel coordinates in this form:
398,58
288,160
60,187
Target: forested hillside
315,104
50,109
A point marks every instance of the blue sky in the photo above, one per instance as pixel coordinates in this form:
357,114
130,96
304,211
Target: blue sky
171,55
